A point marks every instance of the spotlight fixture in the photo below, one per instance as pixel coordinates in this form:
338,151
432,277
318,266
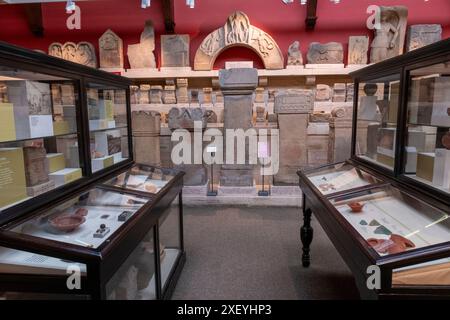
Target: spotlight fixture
190,3
145,4
70,6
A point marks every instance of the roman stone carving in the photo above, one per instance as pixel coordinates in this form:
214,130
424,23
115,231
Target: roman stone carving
194,97
294,101
260,114
110,50
146,143
169,96
207,95
390,37
219,96
211,116
134,94
259,95
294,54
182,91
323,92
144,97
328,53
184,118
175,50
350,92
238,32
339,92
82,53
141,55
421,35
358,47
156,94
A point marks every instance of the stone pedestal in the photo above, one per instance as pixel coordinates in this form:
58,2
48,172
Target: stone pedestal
340,142
237,87
182,91
293,108
146,143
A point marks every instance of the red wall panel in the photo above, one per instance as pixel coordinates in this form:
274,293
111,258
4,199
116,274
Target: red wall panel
285,23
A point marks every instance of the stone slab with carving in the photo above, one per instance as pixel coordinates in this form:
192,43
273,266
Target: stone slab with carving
238,31
294,101
323,92
141,55
82,53
295,55
175,50
328,53
110,50
389,39
421,35
184,118
358,48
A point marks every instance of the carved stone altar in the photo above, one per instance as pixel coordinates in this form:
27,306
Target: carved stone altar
82,53
237,87
389,39
111,50
421,35
141,55
293,108
175,50
295,55
146,142
238,32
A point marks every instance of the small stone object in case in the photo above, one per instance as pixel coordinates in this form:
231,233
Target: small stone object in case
124,216
102,231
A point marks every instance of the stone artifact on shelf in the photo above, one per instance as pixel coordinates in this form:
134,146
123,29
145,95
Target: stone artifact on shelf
293,108
184,118
219,96
182,91
323,92
358,48
328,53
36,165
350,92
211,116
389,38
110,50
169,96
320,116
82,53
194,97
259,95
238,86
339,148
207,96
238,32
175,50
141,55
271,95
295,55
421,35
260,114
156,94
339,92
146,143
144,97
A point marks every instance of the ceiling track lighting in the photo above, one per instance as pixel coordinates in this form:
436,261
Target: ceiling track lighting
303,2
70,6
190,3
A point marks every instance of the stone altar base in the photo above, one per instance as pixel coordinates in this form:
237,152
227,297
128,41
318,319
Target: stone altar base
242,191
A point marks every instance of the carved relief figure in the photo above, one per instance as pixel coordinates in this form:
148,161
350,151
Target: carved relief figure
70,51
55,50
111,50
357,50
294,54
421,35
264,44
331,53
212,44
141,54
85,54
389,38
237,28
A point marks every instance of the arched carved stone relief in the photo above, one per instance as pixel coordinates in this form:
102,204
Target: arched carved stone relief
236,32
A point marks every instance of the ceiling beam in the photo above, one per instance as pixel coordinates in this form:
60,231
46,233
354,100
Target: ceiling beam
169,16
33,14
311,14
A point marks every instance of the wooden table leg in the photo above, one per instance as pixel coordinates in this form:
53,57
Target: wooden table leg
306,234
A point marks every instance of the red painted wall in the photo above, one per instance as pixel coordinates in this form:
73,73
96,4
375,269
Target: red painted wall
285,23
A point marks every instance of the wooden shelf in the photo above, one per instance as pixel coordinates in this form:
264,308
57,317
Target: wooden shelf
290,72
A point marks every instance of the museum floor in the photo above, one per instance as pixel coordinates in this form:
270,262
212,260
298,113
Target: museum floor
254,253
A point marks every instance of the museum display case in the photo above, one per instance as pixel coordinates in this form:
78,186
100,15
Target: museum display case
72,207
396,221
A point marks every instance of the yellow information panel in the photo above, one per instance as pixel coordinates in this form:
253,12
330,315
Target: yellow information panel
12,176
7,123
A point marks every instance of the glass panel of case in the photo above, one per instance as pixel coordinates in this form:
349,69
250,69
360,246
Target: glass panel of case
340,177
377,120
392,221
427,151
430,273
38,135
135,279
85,220
107,111
170,241
142,178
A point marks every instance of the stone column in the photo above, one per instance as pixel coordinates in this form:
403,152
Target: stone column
340,142
293,108
146,144
237,86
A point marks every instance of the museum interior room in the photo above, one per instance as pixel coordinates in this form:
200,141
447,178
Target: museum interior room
268,150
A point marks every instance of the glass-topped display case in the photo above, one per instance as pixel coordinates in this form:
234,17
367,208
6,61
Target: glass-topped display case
386,209
78,218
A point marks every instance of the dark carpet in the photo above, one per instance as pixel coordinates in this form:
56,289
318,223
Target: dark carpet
255,253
